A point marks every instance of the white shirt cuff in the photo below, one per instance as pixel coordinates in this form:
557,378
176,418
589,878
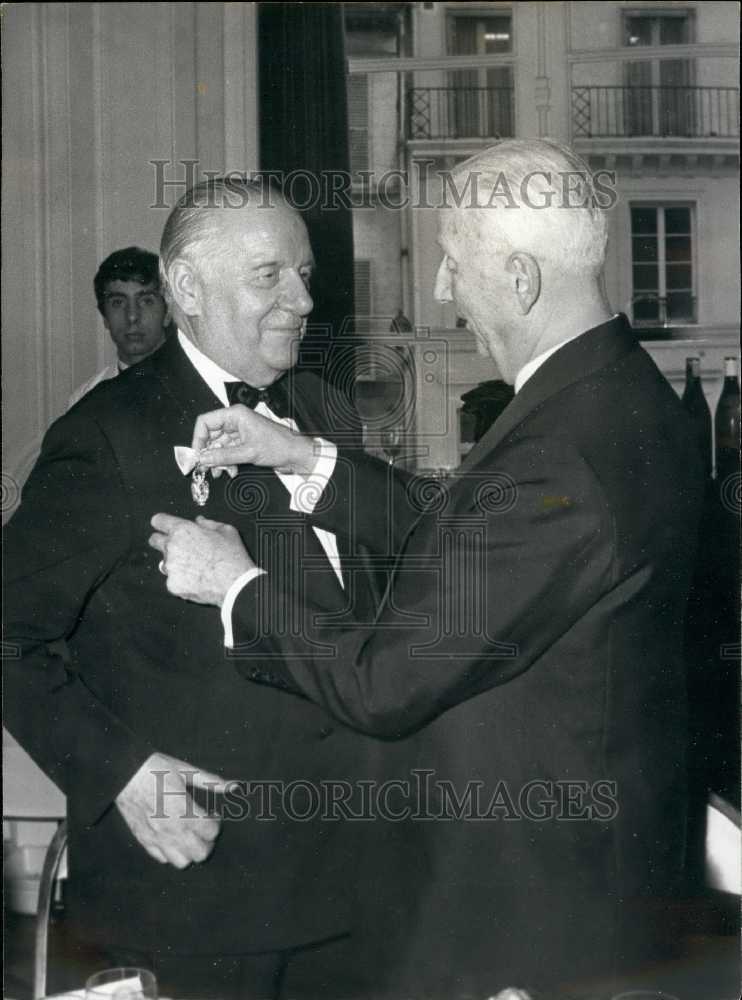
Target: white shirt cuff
231,596
307,491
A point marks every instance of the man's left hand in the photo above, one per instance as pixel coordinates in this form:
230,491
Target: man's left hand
200,559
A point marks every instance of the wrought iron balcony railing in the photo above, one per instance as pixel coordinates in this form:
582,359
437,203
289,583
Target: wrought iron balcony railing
663,112
460,113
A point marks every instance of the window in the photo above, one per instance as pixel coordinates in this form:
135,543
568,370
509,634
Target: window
358,121
662,264
480,101
659,97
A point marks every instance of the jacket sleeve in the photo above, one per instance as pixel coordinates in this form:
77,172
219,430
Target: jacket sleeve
369,502
68,535
485,584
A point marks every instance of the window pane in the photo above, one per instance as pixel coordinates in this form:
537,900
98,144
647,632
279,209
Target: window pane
677,220
644,248
645,277
674,30
463,36
677,249
681,306
646,310
470,34
638,31
643,220
679,277
497,34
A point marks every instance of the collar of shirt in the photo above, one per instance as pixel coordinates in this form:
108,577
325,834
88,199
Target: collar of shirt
534,364
529,370
209,370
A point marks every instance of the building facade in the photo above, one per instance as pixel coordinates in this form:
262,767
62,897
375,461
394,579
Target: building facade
645,92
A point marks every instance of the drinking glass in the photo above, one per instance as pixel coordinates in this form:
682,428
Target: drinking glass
391,442
123,983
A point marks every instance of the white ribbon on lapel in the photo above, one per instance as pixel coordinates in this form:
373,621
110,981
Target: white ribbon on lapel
187,458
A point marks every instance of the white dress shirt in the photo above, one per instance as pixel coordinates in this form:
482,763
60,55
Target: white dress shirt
303,500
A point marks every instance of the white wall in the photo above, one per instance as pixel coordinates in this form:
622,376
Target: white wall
92,93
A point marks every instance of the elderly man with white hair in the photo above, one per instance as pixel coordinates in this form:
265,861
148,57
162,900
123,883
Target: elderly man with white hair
530,645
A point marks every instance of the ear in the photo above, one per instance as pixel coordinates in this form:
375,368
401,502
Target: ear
185,288
527,279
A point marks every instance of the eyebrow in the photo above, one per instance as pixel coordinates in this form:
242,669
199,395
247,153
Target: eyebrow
259,264
125,295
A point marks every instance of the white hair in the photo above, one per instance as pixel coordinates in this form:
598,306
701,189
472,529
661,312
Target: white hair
532,195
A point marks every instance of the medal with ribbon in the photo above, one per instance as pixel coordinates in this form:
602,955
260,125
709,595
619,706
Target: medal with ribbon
187,460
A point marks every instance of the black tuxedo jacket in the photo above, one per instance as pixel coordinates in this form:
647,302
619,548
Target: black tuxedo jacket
529,651
106,667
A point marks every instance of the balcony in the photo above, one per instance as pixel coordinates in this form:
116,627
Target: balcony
464,113
658,112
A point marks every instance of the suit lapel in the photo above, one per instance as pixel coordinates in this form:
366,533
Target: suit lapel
586,354
181,381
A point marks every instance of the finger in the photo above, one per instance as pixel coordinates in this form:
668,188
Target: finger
172,841
241,454
176,857
209,829
204,522
167,522
199,777
158,541
154,852
214,422
199,850
201,434
220,439
204,825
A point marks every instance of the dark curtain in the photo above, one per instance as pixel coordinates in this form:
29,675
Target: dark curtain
304,130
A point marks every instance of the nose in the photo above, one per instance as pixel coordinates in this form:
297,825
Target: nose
442,291
295,295
132,311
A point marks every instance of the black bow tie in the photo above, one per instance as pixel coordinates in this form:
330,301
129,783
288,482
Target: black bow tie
486,402
275,396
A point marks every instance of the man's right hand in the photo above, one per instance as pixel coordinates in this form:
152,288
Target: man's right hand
236,435
162,815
